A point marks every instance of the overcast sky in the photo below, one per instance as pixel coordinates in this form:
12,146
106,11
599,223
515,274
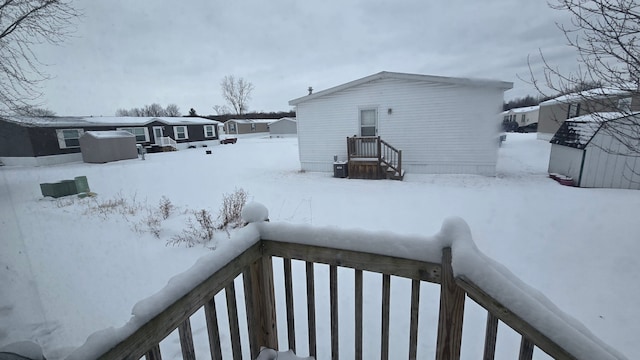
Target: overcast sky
130,53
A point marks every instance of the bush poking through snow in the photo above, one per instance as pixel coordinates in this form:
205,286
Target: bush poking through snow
231,211
166,207
199,232
153,224
117,205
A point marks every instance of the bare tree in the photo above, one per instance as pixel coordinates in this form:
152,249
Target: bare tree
605,35
154,109
172,110
123,112
35,111
220,109
237,93
23,25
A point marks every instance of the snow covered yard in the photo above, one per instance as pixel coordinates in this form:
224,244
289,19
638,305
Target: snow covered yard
66,274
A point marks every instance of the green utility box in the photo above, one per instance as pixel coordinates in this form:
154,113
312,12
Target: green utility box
59,189
82,184
65,187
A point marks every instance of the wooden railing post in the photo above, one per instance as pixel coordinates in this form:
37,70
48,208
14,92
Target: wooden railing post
451,313
261,306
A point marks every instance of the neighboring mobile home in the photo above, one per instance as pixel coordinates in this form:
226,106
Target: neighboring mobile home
526,118
555,111
247,126
54,140
588,151
283,127
440,124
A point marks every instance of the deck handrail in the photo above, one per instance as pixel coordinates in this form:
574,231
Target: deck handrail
167,141
339,249
373,147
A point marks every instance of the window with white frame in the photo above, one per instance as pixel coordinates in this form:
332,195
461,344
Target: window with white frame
523,118
232,127
209,131
180,132
141,133
253,127
69,138
368,122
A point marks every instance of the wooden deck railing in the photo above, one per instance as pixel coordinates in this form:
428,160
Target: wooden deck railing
373,147
255,266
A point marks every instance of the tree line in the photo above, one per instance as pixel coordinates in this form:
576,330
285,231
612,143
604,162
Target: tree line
153,110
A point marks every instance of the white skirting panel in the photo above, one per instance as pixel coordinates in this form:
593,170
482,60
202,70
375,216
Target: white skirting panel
41,160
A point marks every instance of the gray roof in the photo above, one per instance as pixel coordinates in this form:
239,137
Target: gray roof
577,132
403,76
86,121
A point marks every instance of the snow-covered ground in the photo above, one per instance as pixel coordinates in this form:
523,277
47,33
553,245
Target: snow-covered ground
68,269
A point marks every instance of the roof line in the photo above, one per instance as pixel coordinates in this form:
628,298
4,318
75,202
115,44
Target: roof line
405,76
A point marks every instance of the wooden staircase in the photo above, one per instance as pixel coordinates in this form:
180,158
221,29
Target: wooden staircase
370,157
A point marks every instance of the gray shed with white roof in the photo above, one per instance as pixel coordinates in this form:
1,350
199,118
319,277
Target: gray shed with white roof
107,146
588,150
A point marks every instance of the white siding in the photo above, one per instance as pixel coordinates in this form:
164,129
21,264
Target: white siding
609,169
565,160
440,128
42,160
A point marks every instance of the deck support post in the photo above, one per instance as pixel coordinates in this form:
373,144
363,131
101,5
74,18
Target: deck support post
261,306
451,312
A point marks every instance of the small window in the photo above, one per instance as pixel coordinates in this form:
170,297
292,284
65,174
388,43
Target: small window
368,122
624,104
253,127
209,132
232,127
180,132
523,118
140,133
574,110
69,138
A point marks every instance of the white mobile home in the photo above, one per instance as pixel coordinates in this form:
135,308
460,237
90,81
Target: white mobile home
441,124
590,151
526,118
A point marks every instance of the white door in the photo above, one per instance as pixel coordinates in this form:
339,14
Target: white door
158,134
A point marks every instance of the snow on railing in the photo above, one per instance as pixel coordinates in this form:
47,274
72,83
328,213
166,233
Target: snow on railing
449,258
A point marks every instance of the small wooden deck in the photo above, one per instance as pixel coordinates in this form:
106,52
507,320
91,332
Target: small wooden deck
373,158
254,270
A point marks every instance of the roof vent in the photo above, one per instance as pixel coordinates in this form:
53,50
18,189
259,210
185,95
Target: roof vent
310,90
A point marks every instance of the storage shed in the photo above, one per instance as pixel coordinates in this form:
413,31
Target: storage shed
588,150
107,146
283,127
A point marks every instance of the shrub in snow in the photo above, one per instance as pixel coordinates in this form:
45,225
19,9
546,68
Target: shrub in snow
231,210
166,207
199,232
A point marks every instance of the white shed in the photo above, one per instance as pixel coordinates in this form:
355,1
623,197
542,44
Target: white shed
283,127
441,124
587,150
